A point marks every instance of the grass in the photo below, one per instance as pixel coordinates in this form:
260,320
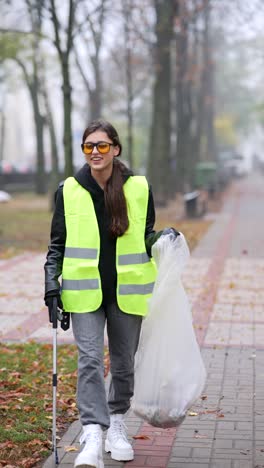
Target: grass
25,224
26,400
25,369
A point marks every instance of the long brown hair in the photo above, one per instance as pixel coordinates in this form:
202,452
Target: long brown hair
115,201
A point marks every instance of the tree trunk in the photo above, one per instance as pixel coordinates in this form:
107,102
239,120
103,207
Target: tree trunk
33,87
33,83
198,102
159,163
41,186
184,158
55,177
129,88
210,98
67,108
95,95
206,117
64,55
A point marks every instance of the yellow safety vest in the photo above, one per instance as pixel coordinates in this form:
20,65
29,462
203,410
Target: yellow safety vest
136,272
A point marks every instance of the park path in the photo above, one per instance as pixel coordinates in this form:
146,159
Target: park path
23,314
224,280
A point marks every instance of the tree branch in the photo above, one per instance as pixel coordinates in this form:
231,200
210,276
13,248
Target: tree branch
79,27
57,27
97,36
25,72
80,68
70,27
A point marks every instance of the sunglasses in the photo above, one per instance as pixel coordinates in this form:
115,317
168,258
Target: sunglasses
102,147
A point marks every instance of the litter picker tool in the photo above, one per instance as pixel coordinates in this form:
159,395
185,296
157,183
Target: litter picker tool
54,379
64,318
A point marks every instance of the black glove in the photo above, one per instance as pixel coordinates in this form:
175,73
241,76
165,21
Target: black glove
62,316
170,231
49,297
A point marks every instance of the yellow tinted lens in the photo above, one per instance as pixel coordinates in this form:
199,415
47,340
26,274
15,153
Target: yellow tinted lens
103,147
87,148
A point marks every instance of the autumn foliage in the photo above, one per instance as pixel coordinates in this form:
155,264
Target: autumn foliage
26,400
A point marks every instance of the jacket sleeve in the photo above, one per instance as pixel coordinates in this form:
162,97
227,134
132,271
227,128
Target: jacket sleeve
151,236
55,255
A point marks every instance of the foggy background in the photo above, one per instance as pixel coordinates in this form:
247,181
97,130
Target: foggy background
182,81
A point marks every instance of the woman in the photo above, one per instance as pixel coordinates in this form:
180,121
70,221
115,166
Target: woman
101,239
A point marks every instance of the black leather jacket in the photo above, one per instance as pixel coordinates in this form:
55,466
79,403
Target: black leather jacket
107,258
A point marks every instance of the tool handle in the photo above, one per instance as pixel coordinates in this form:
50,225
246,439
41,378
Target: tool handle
54,312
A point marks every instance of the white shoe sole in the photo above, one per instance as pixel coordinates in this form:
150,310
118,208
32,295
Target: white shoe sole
119,455
100,464
84,465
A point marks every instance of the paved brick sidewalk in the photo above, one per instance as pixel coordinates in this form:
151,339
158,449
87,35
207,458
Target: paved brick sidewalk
224,280
22,311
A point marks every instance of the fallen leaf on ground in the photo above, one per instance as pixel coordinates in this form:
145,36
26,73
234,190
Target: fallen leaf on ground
192,413
210,411
35,442
28,462
71,449
8,466
141,437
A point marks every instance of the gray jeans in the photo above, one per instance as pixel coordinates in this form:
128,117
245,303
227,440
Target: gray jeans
123,335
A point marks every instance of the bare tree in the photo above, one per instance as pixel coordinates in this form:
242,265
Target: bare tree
92,39
194,89
31,77
64,51
130,71
25,49
127,9
49,121
208,94
159,163
183,100
33,87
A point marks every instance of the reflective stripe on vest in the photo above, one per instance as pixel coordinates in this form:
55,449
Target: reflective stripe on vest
136,272
133,259
125,289
76,252
80,285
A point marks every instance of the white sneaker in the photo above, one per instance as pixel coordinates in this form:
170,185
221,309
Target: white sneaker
116,440
91,456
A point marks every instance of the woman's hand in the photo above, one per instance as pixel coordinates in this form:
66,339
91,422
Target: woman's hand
49,298
170,232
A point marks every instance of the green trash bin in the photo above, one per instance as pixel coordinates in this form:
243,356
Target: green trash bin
206,176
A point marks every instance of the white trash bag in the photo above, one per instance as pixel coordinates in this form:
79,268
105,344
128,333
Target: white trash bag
169,371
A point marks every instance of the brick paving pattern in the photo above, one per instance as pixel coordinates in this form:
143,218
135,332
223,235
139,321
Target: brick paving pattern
224,281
